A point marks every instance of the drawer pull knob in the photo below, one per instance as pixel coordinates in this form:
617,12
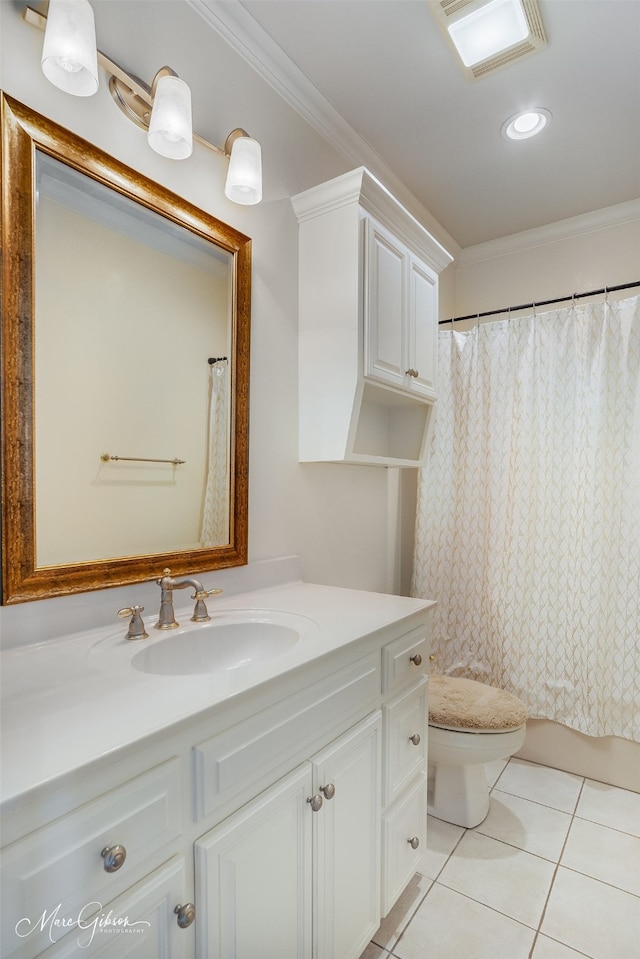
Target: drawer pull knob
415,739
414,842
417,659
432,657
315,802
114,857
329,790
186,914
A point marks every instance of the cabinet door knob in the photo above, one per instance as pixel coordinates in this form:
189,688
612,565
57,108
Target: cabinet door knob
412,372
432,657
114,857
186,914
414,842
315,802
415,739
329,790
417,659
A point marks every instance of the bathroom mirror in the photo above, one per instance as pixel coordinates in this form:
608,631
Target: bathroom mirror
125,369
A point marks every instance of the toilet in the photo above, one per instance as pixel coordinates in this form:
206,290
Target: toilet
470,724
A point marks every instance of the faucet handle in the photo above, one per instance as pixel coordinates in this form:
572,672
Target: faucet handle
136,626
200,612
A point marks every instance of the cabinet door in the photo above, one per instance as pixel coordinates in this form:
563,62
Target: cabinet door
253,877
137,925
385,306
347,842
423,329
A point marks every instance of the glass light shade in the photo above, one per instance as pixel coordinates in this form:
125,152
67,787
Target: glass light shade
487,30
170,132
244,177
526,124
69,54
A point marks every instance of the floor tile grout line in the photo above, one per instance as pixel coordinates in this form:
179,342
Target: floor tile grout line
555,872
411,917
486,905
578,952
604,825
512,845
604,882
536,802
444,865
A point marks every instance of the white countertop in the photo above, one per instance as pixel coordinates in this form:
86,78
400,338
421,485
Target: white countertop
68,701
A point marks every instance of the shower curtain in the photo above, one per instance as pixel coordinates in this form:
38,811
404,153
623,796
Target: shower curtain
528,528
215,512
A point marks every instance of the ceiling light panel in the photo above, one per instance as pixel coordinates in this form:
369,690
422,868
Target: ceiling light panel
487,35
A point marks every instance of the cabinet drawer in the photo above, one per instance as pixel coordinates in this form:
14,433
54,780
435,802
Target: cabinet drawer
405,740
265,746
405,660
59,870
404,822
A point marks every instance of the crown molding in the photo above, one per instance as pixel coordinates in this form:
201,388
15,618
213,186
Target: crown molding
574,226
359,188
245,35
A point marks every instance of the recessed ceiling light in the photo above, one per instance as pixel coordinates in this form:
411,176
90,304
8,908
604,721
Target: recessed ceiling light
526,124
489,29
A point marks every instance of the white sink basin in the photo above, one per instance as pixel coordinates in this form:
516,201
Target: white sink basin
216,647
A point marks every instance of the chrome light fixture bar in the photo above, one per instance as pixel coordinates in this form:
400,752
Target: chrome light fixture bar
162,109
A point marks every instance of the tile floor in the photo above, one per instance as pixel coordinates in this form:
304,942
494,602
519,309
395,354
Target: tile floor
552,873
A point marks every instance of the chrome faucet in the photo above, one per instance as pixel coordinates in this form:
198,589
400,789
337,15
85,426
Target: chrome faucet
167,584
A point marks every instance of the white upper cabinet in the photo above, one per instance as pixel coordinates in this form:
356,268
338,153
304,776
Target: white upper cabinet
400,314
368,325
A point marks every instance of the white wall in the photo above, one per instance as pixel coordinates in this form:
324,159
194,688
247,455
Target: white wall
600,249
334,517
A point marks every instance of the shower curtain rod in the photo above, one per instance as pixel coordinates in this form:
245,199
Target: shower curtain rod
530,306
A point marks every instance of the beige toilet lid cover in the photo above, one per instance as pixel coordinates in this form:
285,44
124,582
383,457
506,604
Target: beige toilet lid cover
465,704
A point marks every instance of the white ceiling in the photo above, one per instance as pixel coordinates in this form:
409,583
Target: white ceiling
387,70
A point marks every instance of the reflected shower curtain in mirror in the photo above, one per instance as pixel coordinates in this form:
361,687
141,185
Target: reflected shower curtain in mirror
528,528
215,513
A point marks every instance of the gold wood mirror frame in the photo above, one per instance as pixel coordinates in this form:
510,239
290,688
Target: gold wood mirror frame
25,132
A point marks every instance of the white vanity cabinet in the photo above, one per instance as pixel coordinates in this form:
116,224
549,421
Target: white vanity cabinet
100,873
297,871
368,301
282,821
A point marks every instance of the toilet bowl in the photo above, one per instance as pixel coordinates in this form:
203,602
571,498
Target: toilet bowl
470,724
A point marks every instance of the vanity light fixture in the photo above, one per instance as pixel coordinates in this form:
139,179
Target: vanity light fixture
69,55
526,124
69,61
489,34
170,132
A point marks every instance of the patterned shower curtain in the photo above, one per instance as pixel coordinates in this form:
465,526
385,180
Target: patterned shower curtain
528,530
215,513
